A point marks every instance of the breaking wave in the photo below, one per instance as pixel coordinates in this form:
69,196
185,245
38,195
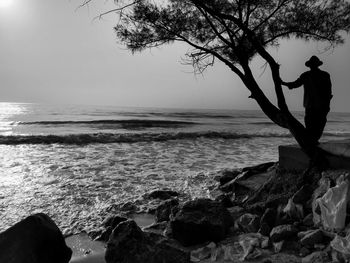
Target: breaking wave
123,123
90,138
125,138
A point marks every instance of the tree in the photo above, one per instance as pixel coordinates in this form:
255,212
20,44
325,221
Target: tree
233,32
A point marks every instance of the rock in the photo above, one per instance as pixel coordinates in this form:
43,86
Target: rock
282,232
225,200
203,252
269,217
264,229
235,212
109,223
157,228
93,234
302,195
248,223
308,220
229,186
251,179
163,211
167,251
162,194
292,245
260,168
282,218
35,239
128,207
168,232
320,246
312,238
278,246
316,257
304,252
251,244
199,221
113,221
265,243
294,211
267,221
227,175
256,208
104,235
128,243
254,181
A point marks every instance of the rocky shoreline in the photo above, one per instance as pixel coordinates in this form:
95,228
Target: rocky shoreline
256,214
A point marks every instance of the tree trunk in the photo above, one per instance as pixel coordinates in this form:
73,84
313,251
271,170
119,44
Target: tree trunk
286,120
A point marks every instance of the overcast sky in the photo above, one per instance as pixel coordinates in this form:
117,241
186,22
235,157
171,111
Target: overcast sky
52,53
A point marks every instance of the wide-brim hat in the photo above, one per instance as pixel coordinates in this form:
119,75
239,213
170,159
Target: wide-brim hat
313,61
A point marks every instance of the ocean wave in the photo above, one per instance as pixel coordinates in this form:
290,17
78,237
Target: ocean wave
129,123
124,138
265,123
81,139
336,134
192,115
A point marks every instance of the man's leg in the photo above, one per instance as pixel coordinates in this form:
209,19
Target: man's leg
315,122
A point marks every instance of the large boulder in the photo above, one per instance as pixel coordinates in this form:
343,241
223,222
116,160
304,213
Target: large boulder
35,239
126,244
129,244
199,221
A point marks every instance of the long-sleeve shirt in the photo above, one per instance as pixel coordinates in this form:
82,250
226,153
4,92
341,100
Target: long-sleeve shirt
317,88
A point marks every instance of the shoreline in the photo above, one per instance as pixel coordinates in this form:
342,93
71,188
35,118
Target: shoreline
289,252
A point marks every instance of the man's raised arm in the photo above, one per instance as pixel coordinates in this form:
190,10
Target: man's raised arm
295,84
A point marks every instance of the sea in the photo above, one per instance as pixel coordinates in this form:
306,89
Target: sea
76,162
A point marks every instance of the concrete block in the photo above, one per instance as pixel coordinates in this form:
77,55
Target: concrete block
291,157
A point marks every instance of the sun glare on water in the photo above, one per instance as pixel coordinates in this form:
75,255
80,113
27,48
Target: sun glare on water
6,3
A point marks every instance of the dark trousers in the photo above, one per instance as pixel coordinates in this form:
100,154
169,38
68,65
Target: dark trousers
315,121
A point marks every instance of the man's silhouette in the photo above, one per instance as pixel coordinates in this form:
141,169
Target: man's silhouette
317,97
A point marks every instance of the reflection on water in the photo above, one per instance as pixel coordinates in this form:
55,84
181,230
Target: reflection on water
8,111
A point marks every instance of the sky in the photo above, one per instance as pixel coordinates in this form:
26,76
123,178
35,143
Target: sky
52,52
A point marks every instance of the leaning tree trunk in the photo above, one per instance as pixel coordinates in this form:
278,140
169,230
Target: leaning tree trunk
283,117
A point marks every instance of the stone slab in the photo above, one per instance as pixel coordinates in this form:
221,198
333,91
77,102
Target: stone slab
291,157
339,148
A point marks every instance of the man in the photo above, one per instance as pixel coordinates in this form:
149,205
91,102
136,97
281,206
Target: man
317,97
